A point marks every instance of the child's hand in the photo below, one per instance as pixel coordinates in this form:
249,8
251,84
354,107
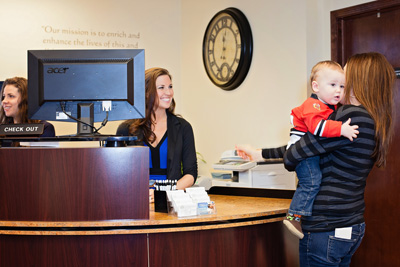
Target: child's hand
349,131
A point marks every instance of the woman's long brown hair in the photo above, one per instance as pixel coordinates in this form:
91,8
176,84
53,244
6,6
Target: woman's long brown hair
145,125
371,79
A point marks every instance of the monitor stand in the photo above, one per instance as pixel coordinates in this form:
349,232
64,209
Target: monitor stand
85,119
86,122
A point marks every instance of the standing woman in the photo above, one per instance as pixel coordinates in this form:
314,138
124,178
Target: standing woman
169,137
14,105
336,227
335,230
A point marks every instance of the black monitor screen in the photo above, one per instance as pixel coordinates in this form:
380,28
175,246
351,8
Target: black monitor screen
59,81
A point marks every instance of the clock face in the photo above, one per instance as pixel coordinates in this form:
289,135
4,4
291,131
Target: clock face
223,48
226,51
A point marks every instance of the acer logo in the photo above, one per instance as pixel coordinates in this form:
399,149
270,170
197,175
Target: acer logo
57,70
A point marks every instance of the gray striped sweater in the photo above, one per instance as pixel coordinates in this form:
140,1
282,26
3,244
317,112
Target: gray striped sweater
345,166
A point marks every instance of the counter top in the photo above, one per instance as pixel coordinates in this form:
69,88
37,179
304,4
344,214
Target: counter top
232,211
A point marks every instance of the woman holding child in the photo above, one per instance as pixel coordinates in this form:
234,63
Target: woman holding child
336,227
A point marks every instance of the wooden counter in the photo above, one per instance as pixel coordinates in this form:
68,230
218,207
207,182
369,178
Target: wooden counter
245,231
232,211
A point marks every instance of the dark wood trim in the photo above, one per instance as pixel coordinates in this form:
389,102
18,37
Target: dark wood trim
338,17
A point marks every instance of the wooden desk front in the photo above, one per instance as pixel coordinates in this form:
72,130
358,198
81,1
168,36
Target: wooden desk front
246,231
74,184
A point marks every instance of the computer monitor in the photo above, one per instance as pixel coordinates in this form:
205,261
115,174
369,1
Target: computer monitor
87,85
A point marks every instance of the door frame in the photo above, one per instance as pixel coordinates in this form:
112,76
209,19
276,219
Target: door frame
339,17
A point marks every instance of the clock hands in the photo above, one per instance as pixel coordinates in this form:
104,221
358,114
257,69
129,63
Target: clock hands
223,46
223,41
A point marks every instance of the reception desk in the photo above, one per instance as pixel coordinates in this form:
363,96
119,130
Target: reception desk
245,231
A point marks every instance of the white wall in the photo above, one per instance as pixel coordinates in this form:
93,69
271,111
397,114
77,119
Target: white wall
289,36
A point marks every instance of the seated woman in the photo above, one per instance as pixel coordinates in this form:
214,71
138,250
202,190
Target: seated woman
169,137
14,105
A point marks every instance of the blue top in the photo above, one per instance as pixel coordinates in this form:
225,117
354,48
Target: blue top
158,159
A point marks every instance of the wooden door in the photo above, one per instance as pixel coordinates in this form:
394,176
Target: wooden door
375,27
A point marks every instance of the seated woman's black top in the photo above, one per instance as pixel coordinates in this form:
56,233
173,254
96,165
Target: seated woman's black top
181,151
48,130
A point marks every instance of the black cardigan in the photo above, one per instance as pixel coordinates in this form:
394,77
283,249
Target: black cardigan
181,158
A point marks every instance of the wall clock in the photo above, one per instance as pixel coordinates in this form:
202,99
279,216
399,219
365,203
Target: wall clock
228,48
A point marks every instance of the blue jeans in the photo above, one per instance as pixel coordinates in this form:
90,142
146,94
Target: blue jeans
309,176
324,249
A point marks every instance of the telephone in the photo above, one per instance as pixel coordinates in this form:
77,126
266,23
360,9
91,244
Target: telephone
231,155
230,161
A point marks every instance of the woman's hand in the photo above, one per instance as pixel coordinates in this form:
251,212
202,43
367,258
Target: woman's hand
247,152
151,195
185,182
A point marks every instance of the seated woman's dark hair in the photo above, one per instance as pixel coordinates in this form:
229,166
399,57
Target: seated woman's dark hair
145,125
